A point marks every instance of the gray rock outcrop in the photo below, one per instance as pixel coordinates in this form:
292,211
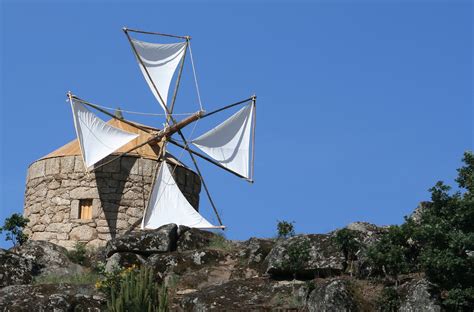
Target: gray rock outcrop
324,259
419,297
330,296
14,269
122,260
48,258
49,297
192,238
145,242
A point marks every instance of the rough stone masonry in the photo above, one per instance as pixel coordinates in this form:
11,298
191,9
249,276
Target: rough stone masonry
118,192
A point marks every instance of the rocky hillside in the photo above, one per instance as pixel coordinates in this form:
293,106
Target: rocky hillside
203,271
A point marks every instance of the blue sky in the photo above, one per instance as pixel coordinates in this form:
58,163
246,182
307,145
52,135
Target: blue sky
362,106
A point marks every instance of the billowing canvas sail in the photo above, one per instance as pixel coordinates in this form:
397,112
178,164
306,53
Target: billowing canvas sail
229,142
168,205
96,138
160,60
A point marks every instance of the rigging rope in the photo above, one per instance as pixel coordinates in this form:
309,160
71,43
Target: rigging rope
140,113
195,77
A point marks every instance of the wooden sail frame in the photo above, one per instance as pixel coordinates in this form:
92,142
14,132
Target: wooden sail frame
165,134
170,117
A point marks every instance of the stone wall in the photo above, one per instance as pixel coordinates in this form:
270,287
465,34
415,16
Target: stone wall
119,190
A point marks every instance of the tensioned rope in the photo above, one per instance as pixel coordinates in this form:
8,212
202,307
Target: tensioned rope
139,113
195,76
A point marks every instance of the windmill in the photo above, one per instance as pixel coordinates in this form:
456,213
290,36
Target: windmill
229,146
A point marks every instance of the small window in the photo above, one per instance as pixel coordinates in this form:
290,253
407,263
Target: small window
85,209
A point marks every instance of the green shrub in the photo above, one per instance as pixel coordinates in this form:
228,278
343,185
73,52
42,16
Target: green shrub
387,257
440,243
111,279
298,252
78,254
77,279
14,228
138,291
218,241
389,300
347,242
285,229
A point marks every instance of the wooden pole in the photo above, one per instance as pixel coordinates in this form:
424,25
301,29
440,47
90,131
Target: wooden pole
228,106
254,122
208,159
109,114
146,70
167,132
70,96
178,80
155,33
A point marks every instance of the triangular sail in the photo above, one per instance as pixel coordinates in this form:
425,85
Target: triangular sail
168,205
230,142
96,138
160,61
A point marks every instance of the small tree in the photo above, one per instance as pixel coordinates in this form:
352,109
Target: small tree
298,253
285,229
347,242
388,256
14,228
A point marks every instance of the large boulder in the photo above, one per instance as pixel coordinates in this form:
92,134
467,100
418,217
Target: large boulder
182,262
123,260
14,269
254,294
418,296
145,242
332,295
50,297
192,238
255,250
323,257
366,234
49,258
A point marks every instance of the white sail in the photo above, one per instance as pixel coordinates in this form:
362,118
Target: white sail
160,60
168,205
96,138
229,143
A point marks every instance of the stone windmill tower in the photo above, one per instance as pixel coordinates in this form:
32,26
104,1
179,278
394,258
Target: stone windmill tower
65,204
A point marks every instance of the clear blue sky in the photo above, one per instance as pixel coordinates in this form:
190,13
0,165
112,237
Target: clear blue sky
361,106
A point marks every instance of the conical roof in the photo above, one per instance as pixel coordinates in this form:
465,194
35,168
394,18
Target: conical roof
149,151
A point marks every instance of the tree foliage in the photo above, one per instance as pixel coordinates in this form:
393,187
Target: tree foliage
298,253
285,229
440,243
14,228
347,242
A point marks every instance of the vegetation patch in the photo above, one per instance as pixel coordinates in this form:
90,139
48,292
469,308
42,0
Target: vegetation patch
218,241
75,279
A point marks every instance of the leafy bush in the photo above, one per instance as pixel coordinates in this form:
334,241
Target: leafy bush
138,291
14,228
446,237
389,300
285,229
78,254
347,242
218,241
298,252
78,279
388,256
111,279
440,243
